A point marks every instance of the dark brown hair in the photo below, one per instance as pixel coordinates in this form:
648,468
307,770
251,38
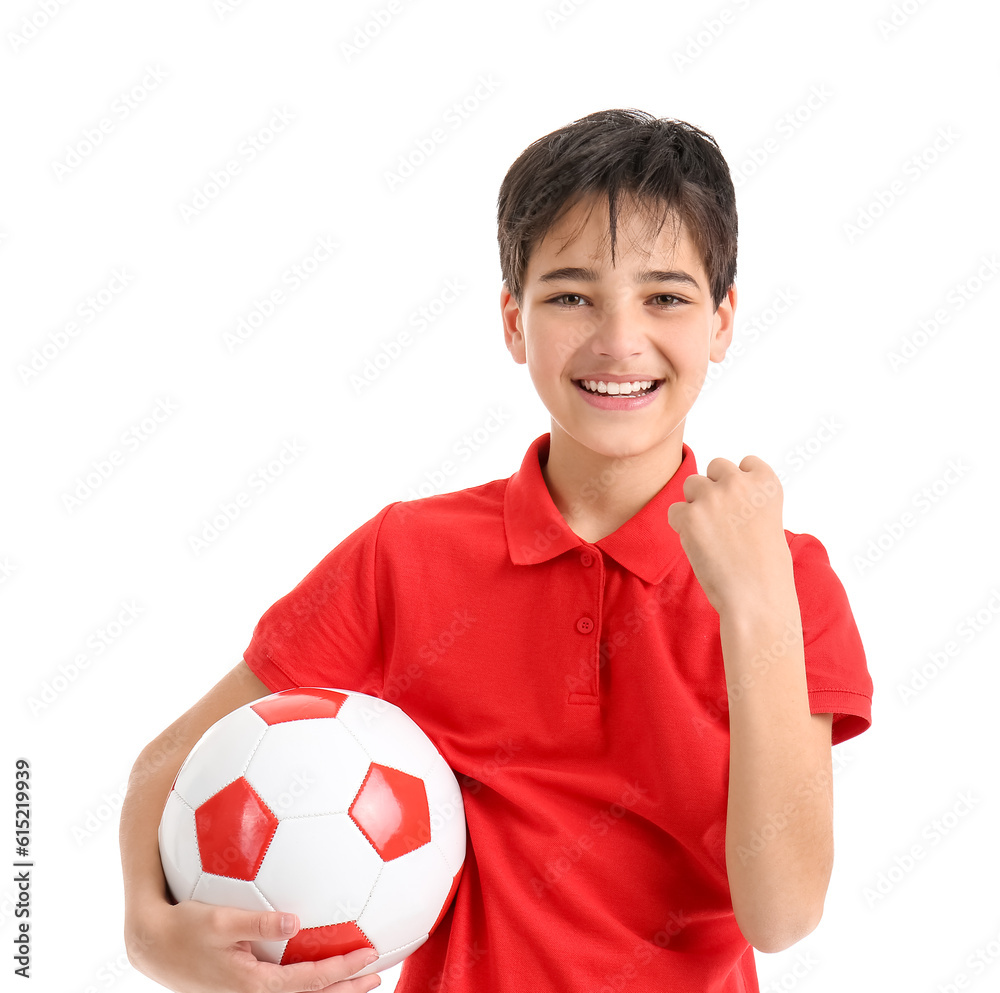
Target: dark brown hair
657,162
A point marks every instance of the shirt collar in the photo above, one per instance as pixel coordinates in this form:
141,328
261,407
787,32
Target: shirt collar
645,544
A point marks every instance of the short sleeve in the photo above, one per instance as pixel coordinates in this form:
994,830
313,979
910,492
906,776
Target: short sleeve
837,674
325,632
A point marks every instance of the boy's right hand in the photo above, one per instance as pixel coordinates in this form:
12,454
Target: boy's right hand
193,947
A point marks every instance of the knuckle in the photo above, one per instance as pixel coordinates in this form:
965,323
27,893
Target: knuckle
279,982
215,918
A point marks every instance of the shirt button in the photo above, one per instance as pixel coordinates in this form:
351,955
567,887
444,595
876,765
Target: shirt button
585,625
586,558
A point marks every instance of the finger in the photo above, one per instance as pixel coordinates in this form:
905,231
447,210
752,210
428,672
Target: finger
255,925
717,467
320,974
362,985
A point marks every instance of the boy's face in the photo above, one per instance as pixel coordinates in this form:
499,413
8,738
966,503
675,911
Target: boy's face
573,326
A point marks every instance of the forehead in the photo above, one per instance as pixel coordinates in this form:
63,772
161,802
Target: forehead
583,232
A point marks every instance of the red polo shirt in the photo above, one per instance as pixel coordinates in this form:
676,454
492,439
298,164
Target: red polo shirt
578,691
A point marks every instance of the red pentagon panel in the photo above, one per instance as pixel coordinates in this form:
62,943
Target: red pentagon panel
301,703
311,943
391,810
446,906
234,828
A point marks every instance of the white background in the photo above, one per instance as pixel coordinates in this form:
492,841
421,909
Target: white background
898,472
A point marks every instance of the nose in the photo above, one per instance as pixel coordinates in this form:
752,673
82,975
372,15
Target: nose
616,332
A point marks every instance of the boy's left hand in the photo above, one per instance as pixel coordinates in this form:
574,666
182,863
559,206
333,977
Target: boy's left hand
730,529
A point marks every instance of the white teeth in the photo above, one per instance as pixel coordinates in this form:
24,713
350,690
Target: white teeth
616,389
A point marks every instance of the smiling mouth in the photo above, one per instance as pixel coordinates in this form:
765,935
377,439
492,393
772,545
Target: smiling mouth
613,389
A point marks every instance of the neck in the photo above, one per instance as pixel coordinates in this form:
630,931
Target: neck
597,492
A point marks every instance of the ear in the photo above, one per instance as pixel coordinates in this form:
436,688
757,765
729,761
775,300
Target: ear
513,332
722,326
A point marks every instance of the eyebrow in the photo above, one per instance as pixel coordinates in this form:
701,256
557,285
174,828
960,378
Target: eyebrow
642,276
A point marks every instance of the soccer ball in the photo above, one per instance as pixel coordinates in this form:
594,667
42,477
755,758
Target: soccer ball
326,803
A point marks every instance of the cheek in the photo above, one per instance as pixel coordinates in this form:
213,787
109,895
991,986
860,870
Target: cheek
690,355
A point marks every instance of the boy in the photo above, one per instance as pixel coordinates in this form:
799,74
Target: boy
635,672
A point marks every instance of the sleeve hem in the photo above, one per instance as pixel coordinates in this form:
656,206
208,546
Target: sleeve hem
851,711
267,671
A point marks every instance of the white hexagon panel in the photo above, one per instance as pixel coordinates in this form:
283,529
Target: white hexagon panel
331,804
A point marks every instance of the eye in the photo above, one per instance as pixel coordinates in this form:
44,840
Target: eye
672,301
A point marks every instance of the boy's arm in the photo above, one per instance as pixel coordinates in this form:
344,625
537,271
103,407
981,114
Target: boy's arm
779,827
152,776
190,946
779,821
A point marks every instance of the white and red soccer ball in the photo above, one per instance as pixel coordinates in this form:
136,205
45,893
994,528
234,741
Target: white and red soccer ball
326,803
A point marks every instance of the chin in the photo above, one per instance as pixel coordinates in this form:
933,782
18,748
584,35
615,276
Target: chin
620,443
